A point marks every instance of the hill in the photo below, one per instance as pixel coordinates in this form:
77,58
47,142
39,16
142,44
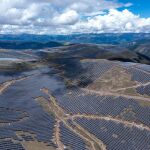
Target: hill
104,38
68,98
85,51
28,45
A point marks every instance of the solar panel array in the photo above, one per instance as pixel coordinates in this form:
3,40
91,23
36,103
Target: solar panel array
144,67
78,101
117,136
94,70
21,96
71,139
9,115
144,90
139,75
74,101
26,137
9,145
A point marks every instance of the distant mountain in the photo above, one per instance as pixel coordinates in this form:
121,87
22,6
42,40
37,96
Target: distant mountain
28,45
105,38
86,45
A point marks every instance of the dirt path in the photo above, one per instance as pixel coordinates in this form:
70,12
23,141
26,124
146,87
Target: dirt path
136,86
104,93
57,136
4,86
92,141
116,120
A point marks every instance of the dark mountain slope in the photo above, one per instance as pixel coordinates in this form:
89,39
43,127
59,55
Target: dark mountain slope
85,51
140,46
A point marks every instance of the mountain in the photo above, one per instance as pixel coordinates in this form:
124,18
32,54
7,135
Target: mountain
91,51
140,46
122,47
28,45
78,96
137,42
105,38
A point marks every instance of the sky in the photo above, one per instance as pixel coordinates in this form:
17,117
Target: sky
139,7
74,16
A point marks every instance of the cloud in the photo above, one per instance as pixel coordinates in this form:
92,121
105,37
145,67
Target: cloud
68,16
23,12
114,21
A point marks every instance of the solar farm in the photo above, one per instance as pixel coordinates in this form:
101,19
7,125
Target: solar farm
104,107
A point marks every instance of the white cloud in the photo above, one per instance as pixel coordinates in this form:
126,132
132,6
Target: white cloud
128,4
114,21
68,16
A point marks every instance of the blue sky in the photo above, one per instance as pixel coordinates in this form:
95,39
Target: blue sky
141,7
74,16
